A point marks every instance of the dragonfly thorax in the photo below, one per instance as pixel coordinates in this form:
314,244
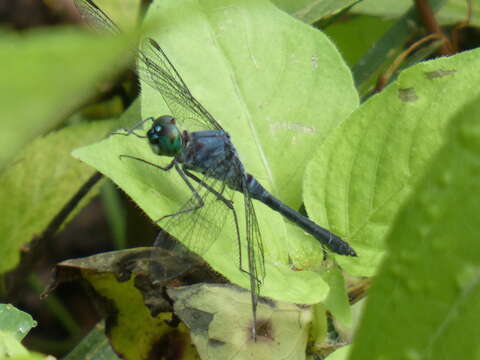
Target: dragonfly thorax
164,137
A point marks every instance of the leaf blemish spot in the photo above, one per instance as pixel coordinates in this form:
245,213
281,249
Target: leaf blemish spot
294,127
407,95
264,330
215,343
430,75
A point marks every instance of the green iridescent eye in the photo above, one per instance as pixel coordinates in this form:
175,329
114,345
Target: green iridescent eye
164,137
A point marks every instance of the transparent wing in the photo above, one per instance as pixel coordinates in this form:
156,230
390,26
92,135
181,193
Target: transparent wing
155,69
255,254
254,242
95,17
198,229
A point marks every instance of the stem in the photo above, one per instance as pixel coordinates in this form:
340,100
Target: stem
460,26
385,77
32,251
115,212
426,14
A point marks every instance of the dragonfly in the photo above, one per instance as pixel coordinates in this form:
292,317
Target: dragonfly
209,165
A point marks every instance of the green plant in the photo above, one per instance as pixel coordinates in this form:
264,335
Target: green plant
394,176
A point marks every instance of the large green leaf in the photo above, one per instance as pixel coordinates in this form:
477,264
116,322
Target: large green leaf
278,87
425,302
45,76
42,178
363,173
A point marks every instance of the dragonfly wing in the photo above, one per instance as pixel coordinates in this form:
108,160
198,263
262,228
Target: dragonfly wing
198,228
156,70
95,17
255,255
254,242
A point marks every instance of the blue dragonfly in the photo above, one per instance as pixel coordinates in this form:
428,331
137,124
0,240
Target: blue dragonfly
209,165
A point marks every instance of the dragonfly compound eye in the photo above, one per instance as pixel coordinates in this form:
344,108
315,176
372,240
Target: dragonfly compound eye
164,137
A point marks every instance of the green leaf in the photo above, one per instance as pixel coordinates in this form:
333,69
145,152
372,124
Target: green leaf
388,8
278,87
115,213
424,303
15,322
453,11
311,11
93,346
45,76
367,30
337,300
340,354
10,346
14,325
319,328
40,181
364,172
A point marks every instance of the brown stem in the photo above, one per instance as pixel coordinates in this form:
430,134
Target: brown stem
426,14
385,77
460,26
32,251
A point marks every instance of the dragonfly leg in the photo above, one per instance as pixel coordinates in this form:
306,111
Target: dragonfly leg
131,131
229,204
164,168
252,275
197,206
219,195
259,281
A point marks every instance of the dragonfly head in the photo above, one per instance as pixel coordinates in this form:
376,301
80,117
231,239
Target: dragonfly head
164,137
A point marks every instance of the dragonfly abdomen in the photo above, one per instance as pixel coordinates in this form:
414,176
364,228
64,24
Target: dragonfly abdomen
327,238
